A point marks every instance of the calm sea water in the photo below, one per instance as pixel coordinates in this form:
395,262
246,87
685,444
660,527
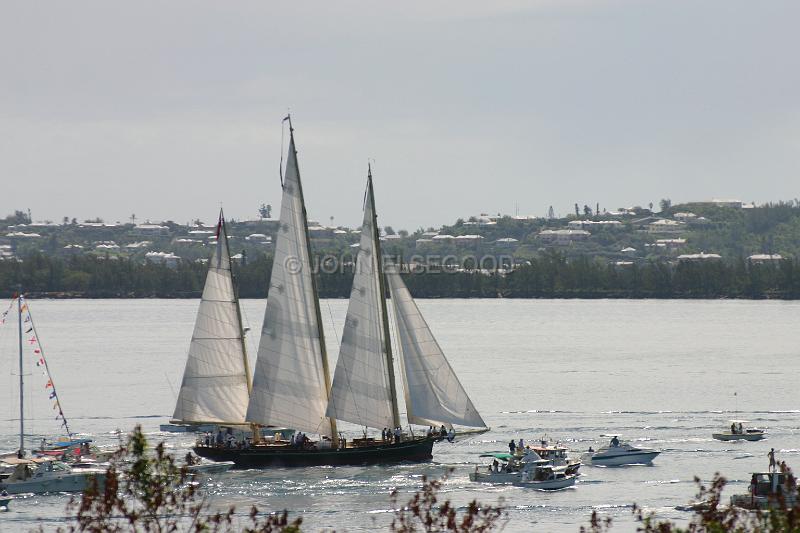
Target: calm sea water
661,373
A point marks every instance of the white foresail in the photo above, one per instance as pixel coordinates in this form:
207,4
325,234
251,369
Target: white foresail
361,393
432,391
289,381
215,381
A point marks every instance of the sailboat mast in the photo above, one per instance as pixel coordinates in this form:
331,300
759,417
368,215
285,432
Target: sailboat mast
21,380
317,312
224,231
376,237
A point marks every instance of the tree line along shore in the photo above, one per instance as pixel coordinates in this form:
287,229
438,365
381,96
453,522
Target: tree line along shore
715,249
551,275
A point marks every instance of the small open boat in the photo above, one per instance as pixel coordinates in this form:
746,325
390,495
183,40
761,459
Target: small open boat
739,431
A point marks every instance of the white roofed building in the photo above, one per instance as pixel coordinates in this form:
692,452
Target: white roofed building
563,237
666,226
165,258
764,258
702,256
150,229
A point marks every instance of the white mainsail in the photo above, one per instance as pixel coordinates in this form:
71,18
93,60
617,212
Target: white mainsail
433,393
290,382
361,392
215,386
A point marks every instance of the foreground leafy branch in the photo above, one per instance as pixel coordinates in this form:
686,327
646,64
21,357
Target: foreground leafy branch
151,493
423,512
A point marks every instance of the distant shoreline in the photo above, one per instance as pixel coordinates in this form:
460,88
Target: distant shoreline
581,296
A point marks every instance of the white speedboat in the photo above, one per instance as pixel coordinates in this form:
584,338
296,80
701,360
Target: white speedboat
524,470
620,453
42,475
198,466
739,431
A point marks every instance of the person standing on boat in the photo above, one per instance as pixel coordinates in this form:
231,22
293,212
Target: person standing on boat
741,430
451,435
512,446
521,444
615,441
430,431
771,455
733,428
397,433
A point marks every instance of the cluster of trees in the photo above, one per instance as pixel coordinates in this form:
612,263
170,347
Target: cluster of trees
549,275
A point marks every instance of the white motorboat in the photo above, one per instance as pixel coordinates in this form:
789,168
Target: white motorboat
558,455
43,475
209,468
739,431
620,453
525,470
542,476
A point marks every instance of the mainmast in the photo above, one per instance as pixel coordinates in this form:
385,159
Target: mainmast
21,452
376,237
317,312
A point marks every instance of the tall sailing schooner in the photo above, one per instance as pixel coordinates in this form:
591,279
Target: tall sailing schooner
291,383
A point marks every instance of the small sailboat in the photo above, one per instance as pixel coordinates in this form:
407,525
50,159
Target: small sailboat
39,475
291,382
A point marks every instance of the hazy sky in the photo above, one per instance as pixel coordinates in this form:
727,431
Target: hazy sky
166,109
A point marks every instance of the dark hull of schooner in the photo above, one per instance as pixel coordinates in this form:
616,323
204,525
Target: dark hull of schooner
417,451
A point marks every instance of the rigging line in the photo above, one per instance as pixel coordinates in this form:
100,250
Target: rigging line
283,134
47,369
8,309
394,337
171,388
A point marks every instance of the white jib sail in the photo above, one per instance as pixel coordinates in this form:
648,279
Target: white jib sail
360,392
214,386
289,384
432,391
